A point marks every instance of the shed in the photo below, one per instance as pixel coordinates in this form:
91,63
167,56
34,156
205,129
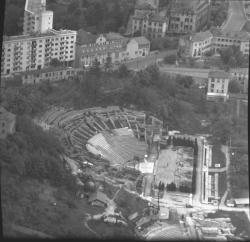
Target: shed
98,199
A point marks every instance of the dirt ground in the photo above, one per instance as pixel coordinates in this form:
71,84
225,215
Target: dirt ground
175,165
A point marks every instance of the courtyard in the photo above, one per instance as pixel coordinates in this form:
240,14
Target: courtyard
175,165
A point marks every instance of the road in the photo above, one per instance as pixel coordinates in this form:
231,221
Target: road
194,72
198,184
236,16
143,62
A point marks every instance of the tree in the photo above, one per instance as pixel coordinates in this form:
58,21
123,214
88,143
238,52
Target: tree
123,71
234,86
55,62
186,81
170,59
209,53
108,63
95,68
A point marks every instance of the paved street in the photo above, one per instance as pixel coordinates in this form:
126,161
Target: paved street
236,16
194,72
143,62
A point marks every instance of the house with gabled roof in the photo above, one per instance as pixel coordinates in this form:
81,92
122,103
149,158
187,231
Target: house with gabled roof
119,48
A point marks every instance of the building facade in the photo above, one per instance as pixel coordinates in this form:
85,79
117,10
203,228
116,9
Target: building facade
90,47
188,16
35,51
241,75
217,85
48,74
39,44
36,17
7,123
198,44
150,25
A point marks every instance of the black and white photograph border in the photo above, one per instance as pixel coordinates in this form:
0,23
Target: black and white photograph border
125,119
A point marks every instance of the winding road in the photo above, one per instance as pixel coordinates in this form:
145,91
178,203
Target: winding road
236,16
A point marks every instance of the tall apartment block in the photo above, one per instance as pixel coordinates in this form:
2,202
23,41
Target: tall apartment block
35,51
36,17
39,43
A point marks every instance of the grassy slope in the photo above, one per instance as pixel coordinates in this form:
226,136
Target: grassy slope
34,208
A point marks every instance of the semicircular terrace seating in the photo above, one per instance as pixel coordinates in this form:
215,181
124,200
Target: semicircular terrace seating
117,135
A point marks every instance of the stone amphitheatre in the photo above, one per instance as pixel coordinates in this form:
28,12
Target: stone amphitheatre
114,134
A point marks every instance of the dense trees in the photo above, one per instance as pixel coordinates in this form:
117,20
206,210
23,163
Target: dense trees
167,43
232,57
170,59
55,62
95,16
218,14
13,18
239,173
34,153
234,86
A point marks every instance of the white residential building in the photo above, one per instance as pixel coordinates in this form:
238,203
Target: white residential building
198,44
36,17
241,75
217,85
188,16
150,25
90,47
138,47
39,44
35,51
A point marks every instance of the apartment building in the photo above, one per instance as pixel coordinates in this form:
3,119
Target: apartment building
90,47
48,74
36,17
188,16
198,44
35,51
39,44
225,39
150,25
241,75
217,85
137,47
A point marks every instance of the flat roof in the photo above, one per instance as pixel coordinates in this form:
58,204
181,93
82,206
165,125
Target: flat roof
50,32
200,36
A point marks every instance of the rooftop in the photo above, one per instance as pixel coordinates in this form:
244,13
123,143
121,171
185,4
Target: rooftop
141,40
200,36
144,6
100,196
246,27
185,6
151,17
218,74
242,35
84,37
113,36
50,32
35,5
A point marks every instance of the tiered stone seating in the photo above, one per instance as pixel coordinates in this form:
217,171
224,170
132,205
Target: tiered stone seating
82,126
